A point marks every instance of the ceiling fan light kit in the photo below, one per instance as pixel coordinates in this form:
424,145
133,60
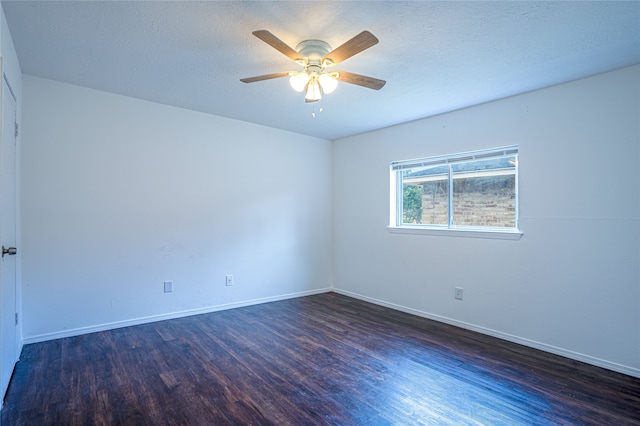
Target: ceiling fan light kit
328,82
315,56
313,92
298,80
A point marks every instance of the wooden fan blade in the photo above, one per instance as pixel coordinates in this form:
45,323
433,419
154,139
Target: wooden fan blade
277,44
264,77
361,80
357,44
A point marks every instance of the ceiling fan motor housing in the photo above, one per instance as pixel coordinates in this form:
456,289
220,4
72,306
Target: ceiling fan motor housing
313,51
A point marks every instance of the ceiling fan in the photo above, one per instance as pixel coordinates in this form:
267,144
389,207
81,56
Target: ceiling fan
315,57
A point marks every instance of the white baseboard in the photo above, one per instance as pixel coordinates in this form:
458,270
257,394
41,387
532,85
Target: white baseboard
162,317
504,336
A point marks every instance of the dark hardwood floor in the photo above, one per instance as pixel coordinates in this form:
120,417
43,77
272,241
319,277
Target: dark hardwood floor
325,359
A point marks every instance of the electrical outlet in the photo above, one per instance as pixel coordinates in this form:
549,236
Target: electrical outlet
458,293
168,286
229,280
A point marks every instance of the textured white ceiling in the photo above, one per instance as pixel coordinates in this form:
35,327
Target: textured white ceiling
435,56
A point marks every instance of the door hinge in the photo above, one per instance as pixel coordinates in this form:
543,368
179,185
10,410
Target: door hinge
17,129
16,318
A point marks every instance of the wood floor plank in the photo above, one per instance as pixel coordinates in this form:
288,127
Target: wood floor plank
319,360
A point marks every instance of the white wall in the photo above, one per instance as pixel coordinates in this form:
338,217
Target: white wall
571,285
120,195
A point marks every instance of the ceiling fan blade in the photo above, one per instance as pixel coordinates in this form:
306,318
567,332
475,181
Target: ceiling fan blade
264,77
277,44
357,44
361,80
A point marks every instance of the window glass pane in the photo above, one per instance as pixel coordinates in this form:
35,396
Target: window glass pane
475,190
425,196
484,193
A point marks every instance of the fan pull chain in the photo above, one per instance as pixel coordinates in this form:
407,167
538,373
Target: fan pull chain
313,108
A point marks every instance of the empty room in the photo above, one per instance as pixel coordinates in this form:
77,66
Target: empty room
320,212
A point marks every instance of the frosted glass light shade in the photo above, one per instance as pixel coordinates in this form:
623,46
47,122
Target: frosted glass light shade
299,81
313,91
328,83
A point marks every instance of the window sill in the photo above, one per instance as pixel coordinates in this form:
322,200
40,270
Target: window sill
457,232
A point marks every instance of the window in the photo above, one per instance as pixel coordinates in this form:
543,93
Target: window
473,191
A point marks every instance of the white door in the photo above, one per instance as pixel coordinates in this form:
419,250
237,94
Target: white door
8,319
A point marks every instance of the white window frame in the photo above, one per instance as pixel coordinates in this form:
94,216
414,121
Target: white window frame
395,213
